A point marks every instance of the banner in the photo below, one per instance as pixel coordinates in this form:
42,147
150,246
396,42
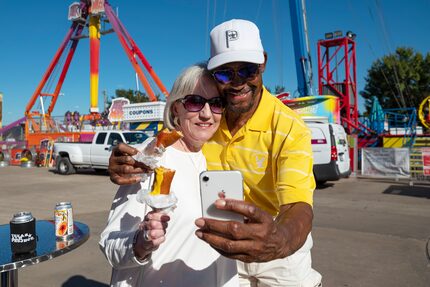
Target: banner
116,113
425,154
316,106
385,162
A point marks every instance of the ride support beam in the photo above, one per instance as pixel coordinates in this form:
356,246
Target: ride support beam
51,67
94,33
337,76
301,47
130,52
75,41
143,60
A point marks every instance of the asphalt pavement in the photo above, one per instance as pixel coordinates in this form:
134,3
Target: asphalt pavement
367,232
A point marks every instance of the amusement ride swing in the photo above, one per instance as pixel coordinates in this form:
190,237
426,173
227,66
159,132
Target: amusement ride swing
424,112
40,125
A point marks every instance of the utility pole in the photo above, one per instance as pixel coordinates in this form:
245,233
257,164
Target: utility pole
105,100
1,110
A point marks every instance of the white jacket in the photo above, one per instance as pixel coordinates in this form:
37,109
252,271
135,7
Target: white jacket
183,259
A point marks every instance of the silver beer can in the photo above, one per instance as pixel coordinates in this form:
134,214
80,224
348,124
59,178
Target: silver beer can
63,216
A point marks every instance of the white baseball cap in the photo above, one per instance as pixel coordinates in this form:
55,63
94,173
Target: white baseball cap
235,41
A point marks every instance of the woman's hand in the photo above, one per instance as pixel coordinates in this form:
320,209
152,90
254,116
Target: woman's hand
151,234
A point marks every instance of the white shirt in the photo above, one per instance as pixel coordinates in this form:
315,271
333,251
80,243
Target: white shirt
183,259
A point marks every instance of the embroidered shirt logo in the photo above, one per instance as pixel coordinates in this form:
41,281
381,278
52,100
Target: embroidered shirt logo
231,35
260,161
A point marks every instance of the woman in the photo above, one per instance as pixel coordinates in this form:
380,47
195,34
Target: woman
135,241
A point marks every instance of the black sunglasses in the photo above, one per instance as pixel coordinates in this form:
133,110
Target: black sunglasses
195,103
246,72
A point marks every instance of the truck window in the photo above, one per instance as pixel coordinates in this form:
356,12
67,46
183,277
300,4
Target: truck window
135,138
101,138
113,137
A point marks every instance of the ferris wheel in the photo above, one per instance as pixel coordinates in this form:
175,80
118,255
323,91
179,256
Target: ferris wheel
424,112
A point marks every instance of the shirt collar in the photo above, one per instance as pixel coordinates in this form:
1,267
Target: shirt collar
223,127
259,120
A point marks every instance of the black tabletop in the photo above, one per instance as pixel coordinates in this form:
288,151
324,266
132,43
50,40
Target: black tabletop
47,248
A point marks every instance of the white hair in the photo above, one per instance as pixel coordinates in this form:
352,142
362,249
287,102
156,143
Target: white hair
184,85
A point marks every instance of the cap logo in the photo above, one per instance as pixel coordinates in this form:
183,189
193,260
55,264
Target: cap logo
231,35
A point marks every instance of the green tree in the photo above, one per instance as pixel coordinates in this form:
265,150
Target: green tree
132,95
398,80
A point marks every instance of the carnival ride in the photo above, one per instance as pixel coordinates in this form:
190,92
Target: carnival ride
337,84
39,125
424,112
336,56
337,90
337,81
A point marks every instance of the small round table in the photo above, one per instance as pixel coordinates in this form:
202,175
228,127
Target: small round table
48,247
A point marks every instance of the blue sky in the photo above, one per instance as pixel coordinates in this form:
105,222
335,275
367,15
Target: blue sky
174,34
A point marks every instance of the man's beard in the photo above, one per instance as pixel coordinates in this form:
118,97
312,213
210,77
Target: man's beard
243,108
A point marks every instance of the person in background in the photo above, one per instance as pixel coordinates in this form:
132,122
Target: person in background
271,146
147,248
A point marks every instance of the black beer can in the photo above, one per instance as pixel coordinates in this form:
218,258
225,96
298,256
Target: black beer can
23,233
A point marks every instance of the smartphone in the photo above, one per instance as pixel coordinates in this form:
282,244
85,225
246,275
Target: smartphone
220,183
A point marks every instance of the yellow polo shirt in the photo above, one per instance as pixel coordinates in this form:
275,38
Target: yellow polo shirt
272,150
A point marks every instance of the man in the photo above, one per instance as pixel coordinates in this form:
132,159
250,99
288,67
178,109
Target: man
271,146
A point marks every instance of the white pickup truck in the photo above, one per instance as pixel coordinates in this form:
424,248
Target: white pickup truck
95,154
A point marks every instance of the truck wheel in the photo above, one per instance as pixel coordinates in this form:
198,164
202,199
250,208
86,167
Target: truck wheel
64,166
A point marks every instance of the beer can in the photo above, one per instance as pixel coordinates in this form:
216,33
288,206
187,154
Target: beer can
23,233
63,216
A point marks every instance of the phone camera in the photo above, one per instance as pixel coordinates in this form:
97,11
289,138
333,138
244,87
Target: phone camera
206,178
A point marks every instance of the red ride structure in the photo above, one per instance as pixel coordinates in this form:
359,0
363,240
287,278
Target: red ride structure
337,76
86,17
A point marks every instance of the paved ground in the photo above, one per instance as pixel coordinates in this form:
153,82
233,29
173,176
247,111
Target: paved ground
366,232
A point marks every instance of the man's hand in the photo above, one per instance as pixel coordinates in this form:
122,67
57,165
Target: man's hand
260,238
122,167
